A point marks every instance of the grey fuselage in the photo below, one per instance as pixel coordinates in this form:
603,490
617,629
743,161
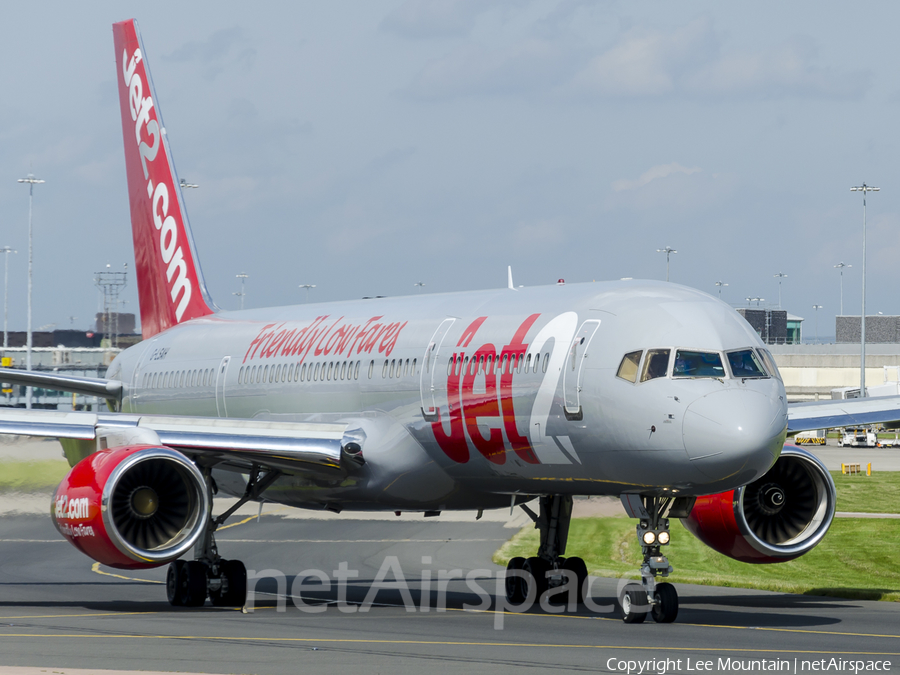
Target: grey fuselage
468,398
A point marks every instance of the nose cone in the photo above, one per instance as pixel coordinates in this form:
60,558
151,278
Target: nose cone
735,435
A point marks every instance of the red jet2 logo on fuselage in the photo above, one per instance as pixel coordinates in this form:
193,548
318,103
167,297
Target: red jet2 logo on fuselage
467,408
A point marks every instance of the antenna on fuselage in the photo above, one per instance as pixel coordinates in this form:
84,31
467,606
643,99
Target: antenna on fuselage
509,276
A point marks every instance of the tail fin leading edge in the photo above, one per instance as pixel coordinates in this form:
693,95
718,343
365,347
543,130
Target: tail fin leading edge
170,284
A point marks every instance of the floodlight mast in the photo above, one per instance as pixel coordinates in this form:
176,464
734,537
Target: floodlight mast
862,318
6,250
719,284
817,308
31,181
840,266
780,276
668,250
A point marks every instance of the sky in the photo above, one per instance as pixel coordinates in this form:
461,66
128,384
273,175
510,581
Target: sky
367,146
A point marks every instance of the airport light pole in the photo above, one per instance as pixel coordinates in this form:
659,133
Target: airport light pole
780,276
32,181
862,317
241,294
668,250
420,285
6,250
756,300
817,308
719,284
307,287
840,266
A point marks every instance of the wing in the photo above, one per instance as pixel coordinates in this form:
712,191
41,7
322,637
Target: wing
844,413
86,386
294,447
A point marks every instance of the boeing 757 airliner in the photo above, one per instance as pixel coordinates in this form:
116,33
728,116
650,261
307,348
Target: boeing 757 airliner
652,392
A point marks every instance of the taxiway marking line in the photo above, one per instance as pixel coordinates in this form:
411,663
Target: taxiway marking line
96,568
353,541
446,643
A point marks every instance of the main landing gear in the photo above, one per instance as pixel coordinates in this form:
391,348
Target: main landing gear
533,576
659,600
190,582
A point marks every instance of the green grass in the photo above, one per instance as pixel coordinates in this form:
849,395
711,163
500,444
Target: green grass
878,493
41,476
857,559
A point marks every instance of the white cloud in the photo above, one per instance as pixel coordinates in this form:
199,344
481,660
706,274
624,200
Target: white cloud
528,65
687,61
438,18
649,63
658,171
784,70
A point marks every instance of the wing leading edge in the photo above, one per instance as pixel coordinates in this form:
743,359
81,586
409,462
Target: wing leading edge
843,413
289,446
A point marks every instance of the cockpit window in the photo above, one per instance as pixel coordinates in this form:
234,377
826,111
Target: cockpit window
656,364
628,369
745,363
769,362
698,364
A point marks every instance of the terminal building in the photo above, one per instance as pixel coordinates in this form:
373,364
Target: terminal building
74,352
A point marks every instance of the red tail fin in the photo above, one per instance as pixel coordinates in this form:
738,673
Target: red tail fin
170,284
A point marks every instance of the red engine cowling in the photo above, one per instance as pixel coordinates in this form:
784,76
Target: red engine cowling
776,518
132,507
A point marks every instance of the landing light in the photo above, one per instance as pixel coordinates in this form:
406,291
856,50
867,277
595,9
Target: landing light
663,538
649,538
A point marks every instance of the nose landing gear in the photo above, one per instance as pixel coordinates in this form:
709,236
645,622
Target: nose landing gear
660,600
548,570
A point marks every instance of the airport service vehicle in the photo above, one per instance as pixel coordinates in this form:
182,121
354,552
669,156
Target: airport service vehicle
814,437
653,392
857,438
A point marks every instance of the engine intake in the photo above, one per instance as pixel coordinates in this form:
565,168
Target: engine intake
132,507
779,517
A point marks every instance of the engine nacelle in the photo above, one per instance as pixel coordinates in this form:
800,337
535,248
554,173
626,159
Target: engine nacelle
776,518
132,507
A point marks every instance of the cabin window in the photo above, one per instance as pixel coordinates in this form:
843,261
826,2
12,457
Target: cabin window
656,364
413,371
290,375
278,373
744,364
546,362
303,373
628,369
316,373
385,369
406,367
241,375
371,368
769,362
265,375
528,363
356,371
343,370
330,368
393,365
697,364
